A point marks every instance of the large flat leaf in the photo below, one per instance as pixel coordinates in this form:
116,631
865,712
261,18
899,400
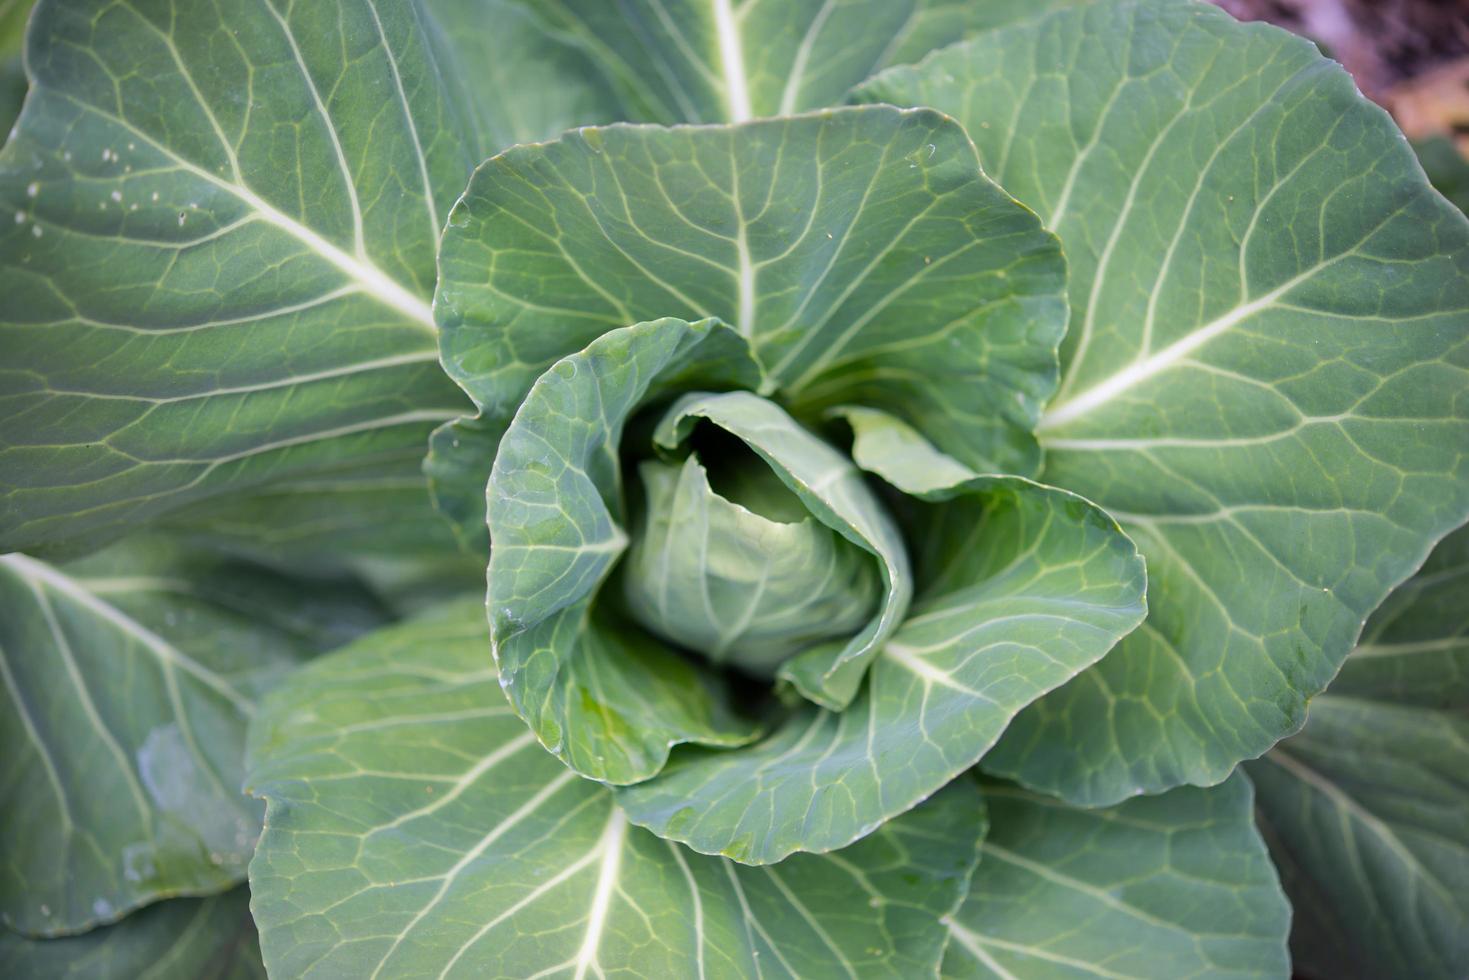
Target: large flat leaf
224,251
1035,586
1367,809
184,939
1264,372
128,680
1177,885
415,828
606,697
861,251
709,61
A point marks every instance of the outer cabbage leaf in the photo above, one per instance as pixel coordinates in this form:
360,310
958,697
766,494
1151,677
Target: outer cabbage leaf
709,61
1367,809
524,85
415,828
1264,373
1177,885
861,251
184,939
1038,584
220,271
833,491
129,678
373,521
606,697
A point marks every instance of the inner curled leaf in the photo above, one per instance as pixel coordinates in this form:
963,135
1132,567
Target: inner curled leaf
750,581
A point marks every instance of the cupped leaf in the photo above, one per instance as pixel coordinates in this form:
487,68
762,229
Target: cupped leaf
1264,372
414,828
223,253
833,491
129,679
1048,584
892,449
606,697
674,61
184,939
861,252
725,581
1177,885
1367,809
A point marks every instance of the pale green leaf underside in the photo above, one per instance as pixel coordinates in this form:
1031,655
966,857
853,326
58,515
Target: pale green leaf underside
1175,886
1043,586
711,61
1261,376
128,681
743,590
834,492
861,251
222,252
415,828
608,698
888,447
183,939
1367,809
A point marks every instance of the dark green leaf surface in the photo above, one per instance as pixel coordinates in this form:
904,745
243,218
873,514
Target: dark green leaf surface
415,828
184,939
1042,584
12,93
1415,647
1264,372
833,491
13,17
223,250
1367,809
129,679
1446,168
1177,886
861,252
606,697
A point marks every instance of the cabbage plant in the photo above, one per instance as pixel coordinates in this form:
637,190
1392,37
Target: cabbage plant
725,488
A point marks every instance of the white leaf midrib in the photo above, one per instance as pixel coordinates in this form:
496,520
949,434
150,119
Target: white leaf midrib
732,61
368,277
